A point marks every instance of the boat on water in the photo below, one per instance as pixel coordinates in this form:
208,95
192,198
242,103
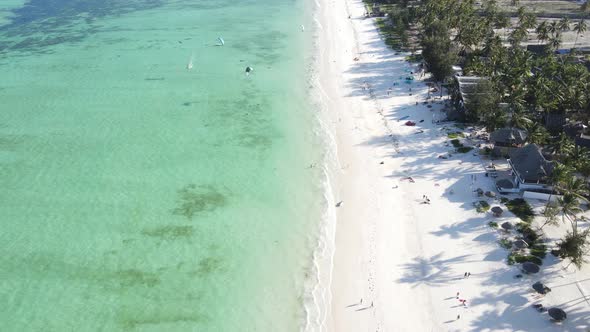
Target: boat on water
189,66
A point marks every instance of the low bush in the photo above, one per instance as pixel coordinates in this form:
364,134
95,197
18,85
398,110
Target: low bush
538,253
521,209
527,258
493,224
464,149
414,58
456,134
505,243
503,200
510,259
456,143
482,206
529,235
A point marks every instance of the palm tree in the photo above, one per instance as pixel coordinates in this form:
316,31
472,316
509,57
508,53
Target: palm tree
556,179
517,36
576,187
564,24
537,134
579,28
555,40
550,213
552,27
542,32
570,207
520,119
576,156
584,169
562,146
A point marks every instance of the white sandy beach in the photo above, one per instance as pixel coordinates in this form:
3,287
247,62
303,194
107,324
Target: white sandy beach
405,259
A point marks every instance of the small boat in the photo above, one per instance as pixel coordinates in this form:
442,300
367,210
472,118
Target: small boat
189,65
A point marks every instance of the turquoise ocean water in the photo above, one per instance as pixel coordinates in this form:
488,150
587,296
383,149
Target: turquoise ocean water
137,195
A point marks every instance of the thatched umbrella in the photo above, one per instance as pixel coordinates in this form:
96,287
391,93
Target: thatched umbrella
557,314
520,244
497,211
540,288
507,226
528,267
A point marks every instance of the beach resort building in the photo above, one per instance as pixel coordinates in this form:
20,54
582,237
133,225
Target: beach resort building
530,171
506,140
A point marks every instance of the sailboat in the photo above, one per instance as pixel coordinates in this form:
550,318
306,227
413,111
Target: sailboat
221,42
189,66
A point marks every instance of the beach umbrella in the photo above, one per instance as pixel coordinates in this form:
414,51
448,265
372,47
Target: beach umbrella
540,288
520,244
507,226
497,211
557,314
529,267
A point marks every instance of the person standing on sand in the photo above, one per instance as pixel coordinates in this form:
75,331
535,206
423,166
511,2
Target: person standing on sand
457,294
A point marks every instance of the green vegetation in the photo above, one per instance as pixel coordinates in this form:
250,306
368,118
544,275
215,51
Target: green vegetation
505,243
395,25
414,58
528,233
518,258
482,206
455,134
521,209
503,200
574,246
459,146
437,50
493,224
464,149
389,34
541,253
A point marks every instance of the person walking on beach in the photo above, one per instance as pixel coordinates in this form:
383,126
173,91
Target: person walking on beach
468,274
465,275
457,294
458,317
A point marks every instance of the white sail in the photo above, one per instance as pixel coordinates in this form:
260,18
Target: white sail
189,66
221,41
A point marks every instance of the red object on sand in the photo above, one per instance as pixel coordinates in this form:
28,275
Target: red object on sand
410,123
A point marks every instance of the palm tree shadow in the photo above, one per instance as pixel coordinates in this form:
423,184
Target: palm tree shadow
433,271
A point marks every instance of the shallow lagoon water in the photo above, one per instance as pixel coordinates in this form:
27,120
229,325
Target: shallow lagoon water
139,195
